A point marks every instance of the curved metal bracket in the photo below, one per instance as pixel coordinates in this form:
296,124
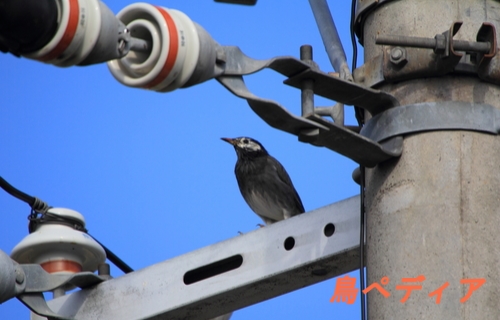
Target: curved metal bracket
38,280
28,281
432,116
236,63
36,303
270,111
312,128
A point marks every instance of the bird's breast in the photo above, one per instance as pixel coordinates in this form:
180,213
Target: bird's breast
264,192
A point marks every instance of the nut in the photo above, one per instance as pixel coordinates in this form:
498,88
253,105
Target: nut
19,275
398,56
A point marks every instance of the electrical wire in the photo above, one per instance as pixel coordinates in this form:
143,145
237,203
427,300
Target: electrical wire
119,263
34,203
39,215
360,118
362,228
353,36
358,112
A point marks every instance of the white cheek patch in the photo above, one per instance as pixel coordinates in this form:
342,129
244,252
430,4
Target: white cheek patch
250,145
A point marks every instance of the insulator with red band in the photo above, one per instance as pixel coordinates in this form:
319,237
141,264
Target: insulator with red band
85,28
175,49
59,248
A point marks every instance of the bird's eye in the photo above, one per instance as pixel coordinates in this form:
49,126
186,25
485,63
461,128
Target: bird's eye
245,141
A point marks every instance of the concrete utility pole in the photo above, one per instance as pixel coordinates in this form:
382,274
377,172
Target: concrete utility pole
435,211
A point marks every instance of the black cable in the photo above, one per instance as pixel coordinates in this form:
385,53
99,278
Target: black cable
119,263
37,218
353,36
362,221
360,118
39,215
358,112
16,193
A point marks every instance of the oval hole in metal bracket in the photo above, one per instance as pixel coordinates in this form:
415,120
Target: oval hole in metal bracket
289,243
329,230
213,269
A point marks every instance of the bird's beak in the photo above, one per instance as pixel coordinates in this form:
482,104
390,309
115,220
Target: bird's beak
228,140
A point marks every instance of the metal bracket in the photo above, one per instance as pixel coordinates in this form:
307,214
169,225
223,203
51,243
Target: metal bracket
343,141
416,63
312,129
28,281
229,275
442,44
345,92
12,278
411,59
236,63
488,63
432,116
38,281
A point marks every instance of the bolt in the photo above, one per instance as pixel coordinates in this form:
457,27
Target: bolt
398,56
306,52
310,136
220,55
19,276
396,53
103,269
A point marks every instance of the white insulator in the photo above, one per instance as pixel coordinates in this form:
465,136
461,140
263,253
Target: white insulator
174,53
86,29
59,248
77,33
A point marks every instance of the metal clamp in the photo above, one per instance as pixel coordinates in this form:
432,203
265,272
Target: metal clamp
433,116
312,128
402,62
408,59
442,43
488,68
38,281
27,282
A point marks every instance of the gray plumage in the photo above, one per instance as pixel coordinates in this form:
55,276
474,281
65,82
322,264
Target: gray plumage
263,181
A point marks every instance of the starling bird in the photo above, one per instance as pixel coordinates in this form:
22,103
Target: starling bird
264,183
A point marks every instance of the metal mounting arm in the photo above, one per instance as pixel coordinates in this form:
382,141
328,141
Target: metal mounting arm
312,128
27,282
286,256
265,263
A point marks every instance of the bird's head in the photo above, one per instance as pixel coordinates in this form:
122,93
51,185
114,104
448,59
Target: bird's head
247,147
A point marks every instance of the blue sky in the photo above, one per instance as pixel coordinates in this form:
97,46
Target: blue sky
148,170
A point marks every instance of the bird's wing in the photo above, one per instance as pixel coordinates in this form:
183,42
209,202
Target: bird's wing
285,178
